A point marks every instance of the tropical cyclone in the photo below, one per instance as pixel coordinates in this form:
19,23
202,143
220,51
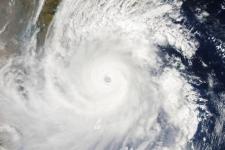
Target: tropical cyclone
104,85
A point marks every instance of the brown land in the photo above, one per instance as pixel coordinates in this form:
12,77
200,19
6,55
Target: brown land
46,17
14,18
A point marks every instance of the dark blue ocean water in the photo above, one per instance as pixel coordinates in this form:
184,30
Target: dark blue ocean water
208,64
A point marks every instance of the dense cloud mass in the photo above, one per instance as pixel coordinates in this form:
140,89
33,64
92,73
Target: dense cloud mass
102,81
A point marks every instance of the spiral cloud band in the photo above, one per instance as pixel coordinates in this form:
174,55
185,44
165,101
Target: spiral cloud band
101,83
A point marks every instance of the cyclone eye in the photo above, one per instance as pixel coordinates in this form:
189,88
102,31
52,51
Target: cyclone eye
107,79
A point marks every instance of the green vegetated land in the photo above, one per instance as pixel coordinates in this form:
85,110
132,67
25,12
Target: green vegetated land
47,13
